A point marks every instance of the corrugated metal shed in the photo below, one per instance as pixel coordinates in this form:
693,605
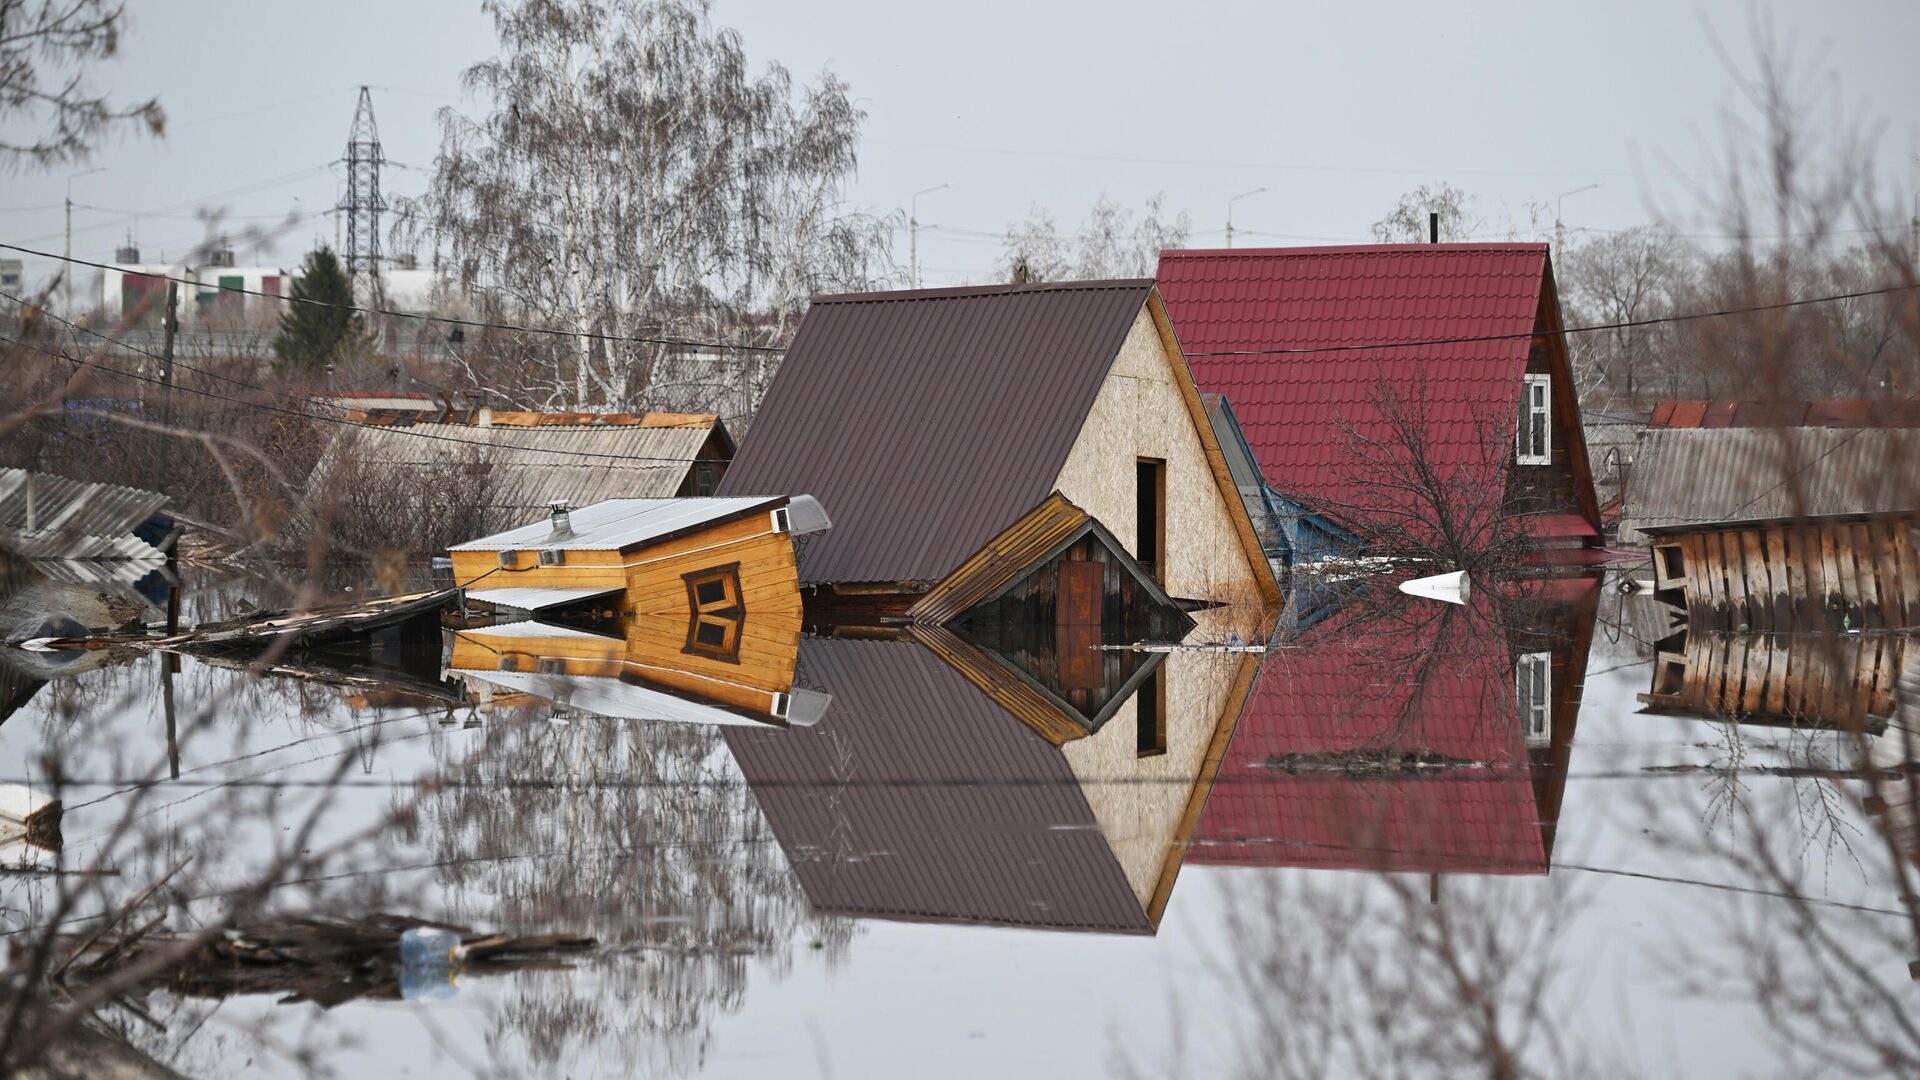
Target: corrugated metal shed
535,464
929,420
52,517
917,798
614,524
1695,476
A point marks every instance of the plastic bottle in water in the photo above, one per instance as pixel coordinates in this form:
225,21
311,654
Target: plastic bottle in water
429,946
429,960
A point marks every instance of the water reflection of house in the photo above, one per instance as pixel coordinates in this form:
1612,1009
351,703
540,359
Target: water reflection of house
1303,340
631,676
932,421
1797,621
1427,738
923,796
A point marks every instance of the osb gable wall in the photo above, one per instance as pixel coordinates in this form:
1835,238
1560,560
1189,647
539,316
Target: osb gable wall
1140,412
1139,802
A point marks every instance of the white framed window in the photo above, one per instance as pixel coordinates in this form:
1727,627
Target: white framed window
1534,446
1532,681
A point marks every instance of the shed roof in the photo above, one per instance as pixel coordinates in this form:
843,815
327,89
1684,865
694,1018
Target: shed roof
1693,476
536,463
1342,321
918,798
931,419
613,524
54,517
1438,682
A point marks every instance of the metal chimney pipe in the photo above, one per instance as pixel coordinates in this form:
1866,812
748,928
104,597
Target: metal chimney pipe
562,521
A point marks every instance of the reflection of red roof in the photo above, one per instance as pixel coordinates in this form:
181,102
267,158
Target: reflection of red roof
1560,526
1347,696
1296,407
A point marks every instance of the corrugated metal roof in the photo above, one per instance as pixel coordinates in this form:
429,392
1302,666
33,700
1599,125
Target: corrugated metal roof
612,697
929,420
1692,476
523,599
1439,681
1297,408
614,524
917,798
53,517
536,464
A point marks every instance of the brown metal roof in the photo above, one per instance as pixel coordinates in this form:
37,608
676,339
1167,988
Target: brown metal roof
917,798
930,420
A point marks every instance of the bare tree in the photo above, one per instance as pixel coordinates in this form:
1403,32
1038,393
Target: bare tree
1111,243
1407,222
48,49
1624,277
632,175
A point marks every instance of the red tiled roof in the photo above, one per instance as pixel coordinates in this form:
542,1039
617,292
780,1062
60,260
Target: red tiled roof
1856,413
1443,685
1297,407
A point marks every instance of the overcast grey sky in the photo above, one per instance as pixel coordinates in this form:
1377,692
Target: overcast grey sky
1337,109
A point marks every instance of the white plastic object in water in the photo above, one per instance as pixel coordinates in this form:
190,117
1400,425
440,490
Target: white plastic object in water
1452,588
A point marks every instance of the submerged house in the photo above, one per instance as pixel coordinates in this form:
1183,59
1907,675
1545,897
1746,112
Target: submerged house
928,793
1342,362
933,420
705,587
1799,622
1421,737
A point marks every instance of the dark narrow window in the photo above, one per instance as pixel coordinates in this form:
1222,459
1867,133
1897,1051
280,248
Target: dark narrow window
714,613
1150,476
1150,708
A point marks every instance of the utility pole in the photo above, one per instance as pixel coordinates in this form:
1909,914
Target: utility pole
66,270
167,321
1230,202
1559,228
913,233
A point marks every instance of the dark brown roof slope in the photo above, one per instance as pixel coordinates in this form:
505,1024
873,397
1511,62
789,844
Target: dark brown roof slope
917,798
928,421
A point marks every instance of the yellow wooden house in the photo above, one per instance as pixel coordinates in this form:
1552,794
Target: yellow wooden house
697,597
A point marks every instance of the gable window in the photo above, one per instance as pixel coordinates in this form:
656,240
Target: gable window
714,613
1532,679
1535,442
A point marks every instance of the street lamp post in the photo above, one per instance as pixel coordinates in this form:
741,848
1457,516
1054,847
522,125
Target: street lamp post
66,269
1230,202
1559,230
913,232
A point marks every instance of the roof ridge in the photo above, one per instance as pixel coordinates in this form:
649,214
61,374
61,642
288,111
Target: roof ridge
963,291
1458,247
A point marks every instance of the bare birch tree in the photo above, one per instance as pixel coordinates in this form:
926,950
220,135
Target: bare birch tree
632,175
52,112
1110,243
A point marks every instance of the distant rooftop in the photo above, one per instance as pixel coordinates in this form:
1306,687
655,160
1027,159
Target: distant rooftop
1855,413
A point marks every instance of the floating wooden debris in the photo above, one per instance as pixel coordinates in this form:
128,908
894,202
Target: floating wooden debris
327,961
